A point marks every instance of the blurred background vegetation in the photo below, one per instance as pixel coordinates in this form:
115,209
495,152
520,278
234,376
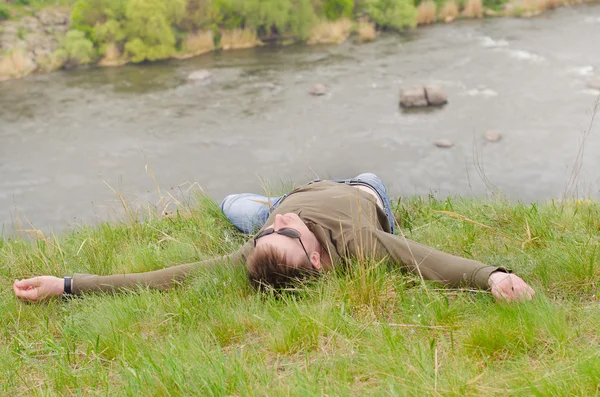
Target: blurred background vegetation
148,30
114,32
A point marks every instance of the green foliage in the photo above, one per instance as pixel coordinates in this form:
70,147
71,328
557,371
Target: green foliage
268,15
393,14
148,27
494,4
302,19
89,15
4,12
112,31
336,9
197,16
228,14
75,49
143,27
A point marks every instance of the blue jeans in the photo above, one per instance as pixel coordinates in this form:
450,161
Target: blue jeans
249,212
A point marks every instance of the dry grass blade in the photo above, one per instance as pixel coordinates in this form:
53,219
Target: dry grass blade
572,182
529,238
395,325
123,203
465,219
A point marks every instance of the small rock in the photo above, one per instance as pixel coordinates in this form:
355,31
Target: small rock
490,13
493,136
594,83
435,95
201,76
443,143
449,19
413,97
317,90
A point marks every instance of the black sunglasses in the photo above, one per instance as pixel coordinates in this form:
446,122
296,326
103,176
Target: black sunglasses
287,232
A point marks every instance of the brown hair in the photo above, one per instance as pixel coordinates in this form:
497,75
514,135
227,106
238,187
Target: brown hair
268,267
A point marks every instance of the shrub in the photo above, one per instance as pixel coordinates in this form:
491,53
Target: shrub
148,27
494,4
336,9
302,19
266,16
75,49
4,12
197,16
393,14
89,14
227,13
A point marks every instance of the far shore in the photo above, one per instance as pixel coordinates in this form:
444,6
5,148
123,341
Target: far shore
47,54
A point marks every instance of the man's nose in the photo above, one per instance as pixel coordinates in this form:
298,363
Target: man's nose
279,222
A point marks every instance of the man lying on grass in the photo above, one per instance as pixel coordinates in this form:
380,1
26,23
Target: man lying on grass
302,234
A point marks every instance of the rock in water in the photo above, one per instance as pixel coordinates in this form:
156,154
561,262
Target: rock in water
435,95
420,96
493,136
200,75
443,143
413,97
317,90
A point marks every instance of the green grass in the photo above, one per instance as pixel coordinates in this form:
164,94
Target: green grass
369,331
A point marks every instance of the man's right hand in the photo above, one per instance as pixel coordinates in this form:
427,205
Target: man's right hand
37,289
509,287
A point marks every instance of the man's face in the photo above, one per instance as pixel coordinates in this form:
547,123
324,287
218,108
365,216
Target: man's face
290,246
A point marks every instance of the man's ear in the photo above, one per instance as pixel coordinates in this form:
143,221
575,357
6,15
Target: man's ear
315,260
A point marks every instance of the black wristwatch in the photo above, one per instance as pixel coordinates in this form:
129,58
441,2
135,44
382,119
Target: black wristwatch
68,286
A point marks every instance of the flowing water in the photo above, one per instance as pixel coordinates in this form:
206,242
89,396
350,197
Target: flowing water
68,138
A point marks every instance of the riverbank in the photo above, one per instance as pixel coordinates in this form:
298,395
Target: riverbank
357,333
45,38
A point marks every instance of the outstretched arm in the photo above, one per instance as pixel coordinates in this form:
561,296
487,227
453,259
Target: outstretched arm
40,288
444,268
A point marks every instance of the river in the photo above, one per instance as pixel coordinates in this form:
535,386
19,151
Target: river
68,138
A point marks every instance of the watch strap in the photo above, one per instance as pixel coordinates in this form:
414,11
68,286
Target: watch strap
68,282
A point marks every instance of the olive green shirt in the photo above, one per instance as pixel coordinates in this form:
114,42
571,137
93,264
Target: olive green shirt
349,225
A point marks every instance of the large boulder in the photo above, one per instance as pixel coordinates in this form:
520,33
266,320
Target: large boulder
435,95
421,96
413,97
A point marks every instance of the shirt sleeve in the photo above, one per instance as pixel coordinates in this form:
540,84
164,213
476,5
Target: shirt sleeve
420,259
158,279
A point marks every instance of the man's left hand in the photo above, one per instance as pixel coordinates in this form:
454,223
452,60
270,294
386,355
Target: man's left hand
509,287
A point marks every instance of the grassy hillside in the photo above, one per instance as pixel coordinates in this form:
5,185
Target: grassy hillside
370,331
